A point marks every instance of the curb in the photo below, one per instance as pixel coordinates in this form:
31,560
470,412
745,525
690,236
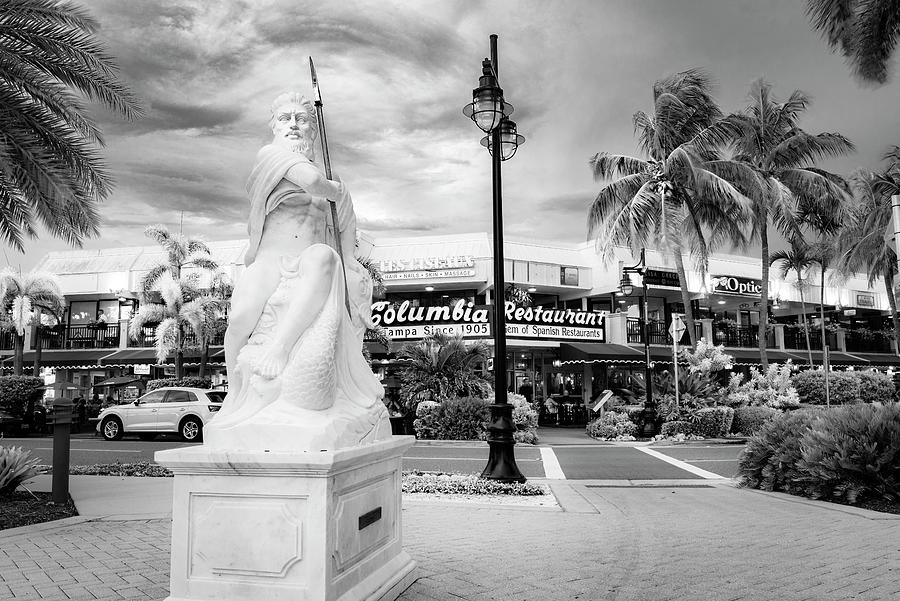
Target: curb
30,529
860,512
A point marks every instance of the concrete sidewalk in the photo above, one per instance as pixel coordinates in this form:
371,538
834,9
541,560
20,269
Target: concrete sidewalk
685,540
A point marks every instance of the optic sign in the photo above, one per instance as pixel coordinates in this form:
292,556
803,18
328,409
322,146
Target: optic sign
404,322
729,284
865,300
427,267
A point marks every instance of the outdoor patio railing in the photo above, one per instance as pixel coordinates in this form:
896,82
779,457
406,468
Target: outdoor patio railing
80,337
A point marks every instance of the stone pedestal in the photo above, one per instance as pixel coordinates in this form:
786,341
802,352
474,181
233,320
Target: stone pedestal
310,526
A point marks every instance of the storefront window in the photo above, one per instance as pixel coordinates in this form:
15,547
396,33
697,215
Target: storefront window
82,312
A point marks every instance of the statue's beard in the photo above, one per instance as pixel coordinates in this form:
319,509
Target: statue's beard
302,146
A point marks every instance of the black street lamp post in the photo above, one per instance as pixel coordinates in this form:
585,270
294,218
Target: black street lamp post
490,112
627,288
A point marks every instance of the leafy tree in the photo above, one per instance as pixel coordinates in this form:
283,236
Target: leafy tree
771,165
50,61
861,244
865,31
182,303
670,199
25,298
441,367
799,259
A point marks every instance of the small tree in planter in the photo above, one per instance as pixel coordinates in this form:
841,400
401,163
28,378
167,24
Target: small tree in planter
441,367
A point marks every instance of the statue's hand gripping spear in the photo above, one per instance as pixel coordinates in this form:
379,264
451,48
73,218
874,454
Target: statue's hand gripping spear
326,159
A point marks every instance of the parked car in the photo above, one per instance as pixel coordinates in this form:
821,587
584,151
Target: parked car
174,409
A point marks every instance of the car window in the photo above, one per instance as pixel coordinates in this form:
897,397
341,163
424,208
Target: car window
178,396
216,396
153,397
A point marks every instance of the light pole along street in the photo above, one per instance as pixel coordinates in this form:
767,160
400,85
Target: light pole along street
490,112
626,287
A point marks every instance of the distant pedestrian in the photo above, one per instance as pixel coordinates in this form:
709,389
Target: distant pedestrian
527,390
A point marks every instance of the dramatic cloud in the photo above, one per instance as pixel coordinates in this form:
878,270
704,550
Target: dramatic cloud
395,75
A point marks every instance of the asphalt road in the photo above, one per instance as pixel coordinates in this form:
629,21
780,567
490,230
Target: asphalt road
577,462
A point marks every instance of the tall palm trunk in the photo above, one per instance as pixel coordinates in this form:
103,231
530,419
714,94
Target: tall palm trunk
36,368
764,287
892,302
179,353
685,295
805,324
825,367
204,357
19,355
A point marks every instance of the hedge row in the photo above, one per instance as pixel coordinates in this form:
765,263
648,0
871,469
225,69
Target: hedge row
845,387
847,453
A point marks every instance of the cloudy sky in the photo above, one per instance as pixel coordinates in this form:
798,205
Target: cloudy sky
394,77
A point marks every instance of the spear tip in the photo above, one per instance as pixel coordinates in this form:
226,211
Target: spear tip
315,82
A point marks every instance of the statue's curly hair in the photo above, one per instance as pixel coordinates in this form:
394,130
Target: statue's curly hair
297,99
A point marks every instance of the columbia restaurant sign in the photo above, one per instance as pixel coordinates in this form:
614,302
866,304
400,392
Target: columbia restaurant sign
403,321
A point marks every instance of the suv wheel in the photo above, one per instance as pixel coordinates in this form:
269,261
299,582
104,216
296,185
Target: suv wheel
191,429
111,428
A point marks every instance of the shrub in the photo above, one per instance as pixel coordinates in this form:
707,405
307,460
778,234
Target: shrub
677,427
19,393
452,419
714,422
770,459
707,358
525,417
853,452
771,389
612,426
845,387
16,466
189,382
748,420
428,482
426,422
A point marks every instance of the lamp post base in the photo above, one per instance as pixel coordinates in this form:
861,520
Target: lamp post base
501,464
649,414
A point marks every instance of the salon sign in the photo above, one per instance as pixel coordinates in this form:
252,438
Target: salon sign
406,322
455,266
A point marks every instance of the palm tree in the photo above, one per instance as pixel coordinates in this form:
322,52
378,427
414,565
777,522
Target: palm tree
183,302
26,297
670,198
441,367
798,259
861,242
770,165
206,316
50,60
866,31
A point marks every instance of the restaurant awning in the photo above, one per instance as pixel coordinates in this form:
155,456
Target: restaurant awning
836,358
589,352
117,381
875,359
65,358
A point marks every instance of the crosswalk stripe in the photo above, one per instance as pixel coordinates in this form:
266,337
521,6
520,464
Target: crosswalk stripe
552,469
681,464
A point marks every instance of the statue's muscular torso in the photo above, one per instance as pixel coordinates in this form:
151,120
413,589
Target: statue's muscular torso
296,223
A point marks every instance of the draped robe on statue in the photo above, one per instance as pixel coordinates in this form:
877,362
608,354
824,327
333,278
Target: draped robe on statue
327,396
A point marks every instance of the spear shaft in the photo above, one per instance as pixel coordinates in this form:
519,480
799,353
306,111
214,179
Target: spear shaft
326,159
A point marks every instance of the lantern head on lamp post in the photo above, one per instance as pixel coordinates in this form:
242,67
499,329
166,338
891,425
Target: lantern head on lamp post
487,107
490,113
510,140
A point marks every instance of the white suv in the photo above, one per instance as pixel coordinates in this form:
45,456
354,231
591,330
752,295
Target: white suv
181,410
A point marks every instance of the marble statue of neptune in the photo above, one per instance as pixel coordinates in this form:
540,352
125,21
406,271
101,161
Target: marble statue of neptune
297,377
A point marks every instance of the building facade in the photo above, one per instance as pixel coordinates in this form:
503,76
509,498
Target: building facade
569,331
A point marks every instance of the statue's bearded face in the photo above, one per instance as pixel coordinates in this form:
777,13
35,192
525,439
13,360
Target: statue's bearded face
292,127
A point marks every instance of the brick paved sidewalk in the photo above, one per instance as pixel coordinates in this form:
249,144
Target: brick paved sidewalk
614,543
